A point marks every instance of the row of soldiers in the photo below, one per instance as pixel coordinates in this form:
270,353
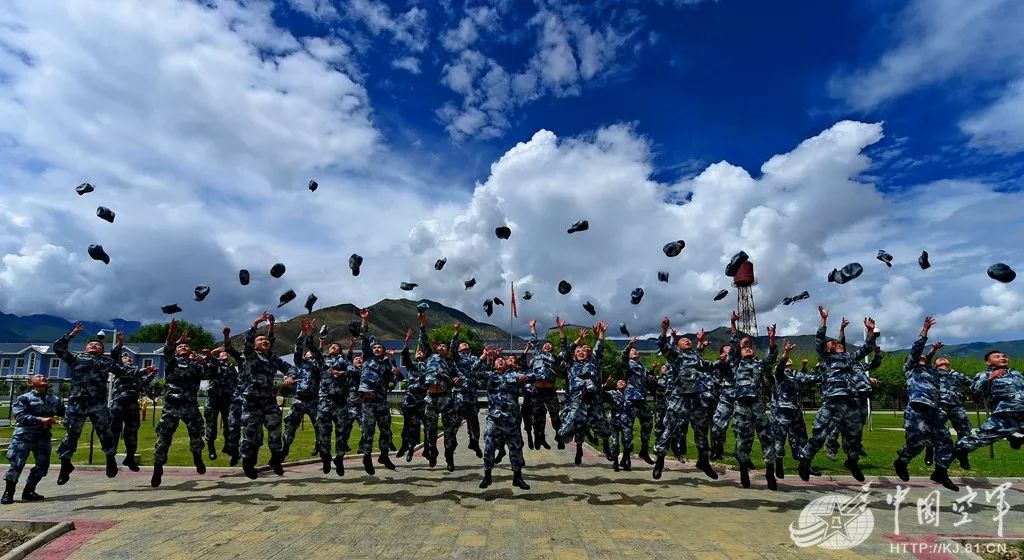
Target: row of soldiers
759,396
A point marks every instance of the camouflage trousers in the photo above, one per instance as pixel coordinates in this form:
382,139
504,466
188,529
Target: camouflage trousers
998,426
763,429
832,442
957,415
724,412
300,409
233,434
680,411
412,419
744,425
74,420
168,424
257,413
17,455
217,408
632,410
579,416
787,423
375,415
678,444
440,407
925,426
465,404
335,417
545,403
843,411
503,432
125,421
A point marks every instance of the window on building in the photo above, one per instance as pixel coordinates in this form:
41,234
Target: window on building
31,363
54,363
6,363
19,363
146,362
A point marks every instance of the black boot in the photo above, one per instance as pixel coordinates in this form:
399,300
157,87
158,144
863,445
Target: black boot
854,469
339,465
487,479
579,453
607,448
1015,441
111,466
541,441
29,493
432,459
402,448
626,464
659,465
368,464
529,439
814,471
646,456
449,459
249,468
8,497
385,460
804,470
197,460
500,456
965,463
769,475
475,446
744,475
234,460
158,475
326,460
901,470
780,472
942,477
704,464
615,465
929,455
517,480
65,472
559,443
717,452
275,462
129,459
213,452
408,453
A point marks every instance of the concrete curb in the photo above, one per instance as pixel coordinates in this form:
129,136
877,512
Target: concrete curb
39,541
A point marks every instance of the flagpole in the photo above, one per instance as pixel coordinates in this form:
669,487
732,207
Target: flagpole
510,326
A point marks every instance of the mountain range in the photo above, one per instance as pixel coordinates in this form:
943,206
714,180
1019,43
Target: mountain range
47,328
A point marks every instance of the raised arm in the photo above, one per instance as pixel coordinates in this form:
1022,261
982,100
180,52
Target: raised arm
914,356
364,334
118,350
60,347
870,343
602,328
821,337
229,348
773,349
424,340
454,344
666,346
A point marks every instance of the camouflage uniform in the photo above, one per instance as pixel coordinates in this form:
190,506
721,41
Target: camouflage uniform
338,405
125,416
503,416
259,401
617,418
635,405
88,397
861,384
839,404
307,389
373,387
31,436
686,401
545,399
660,403
1006,397
923,422
414,401
223,377
440,372
746,387
584,403
787,411
725,407
951,400
181,403
464,396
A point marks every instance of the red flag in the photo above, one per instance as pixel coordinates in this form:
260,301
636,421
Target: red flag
515,312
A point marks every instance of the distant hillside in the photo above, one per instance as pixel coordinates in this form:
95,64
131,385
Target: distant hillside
47,328
389,320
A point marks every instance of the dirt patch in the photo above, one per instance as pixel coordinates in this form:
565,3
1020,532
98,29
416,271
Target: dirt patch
11,539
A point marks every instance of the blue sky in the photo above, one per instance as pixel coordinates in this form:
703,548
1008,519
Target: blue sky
808,134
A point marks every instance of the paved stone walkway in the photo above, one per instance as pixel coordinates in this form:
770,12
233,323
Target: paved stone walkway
572,512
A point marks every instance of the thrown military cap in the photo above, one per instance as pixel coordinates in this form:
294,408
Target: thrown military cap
313,185
470,283
439,264
407,286
98,254
564,287
582,225
105,214
277,270
201,292
845,274
623,329
310,302
590,308
286,297
243,277
923,261
497,301
527,295
354,262
355,327
721,295
884,257
171,309
636,295
324,330
796,298
673,248
488,307
503,232
734,264
422,307
84,188
1002,273
663,276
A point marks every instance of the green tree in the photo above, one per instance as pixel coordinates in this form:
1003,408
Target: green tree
198,338
444,333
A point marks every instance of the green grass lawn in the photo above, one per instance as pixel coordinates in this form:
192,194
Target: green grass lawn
881,443
179,453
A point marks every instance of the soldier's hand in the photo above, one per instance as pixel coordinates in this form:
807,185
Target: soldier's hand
533,324
996,374
843,323
48,420
937,346
823,312
869,324
77,329
664,323
457,326
227,332
368,395
873,380
119,337
408,334
288,381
